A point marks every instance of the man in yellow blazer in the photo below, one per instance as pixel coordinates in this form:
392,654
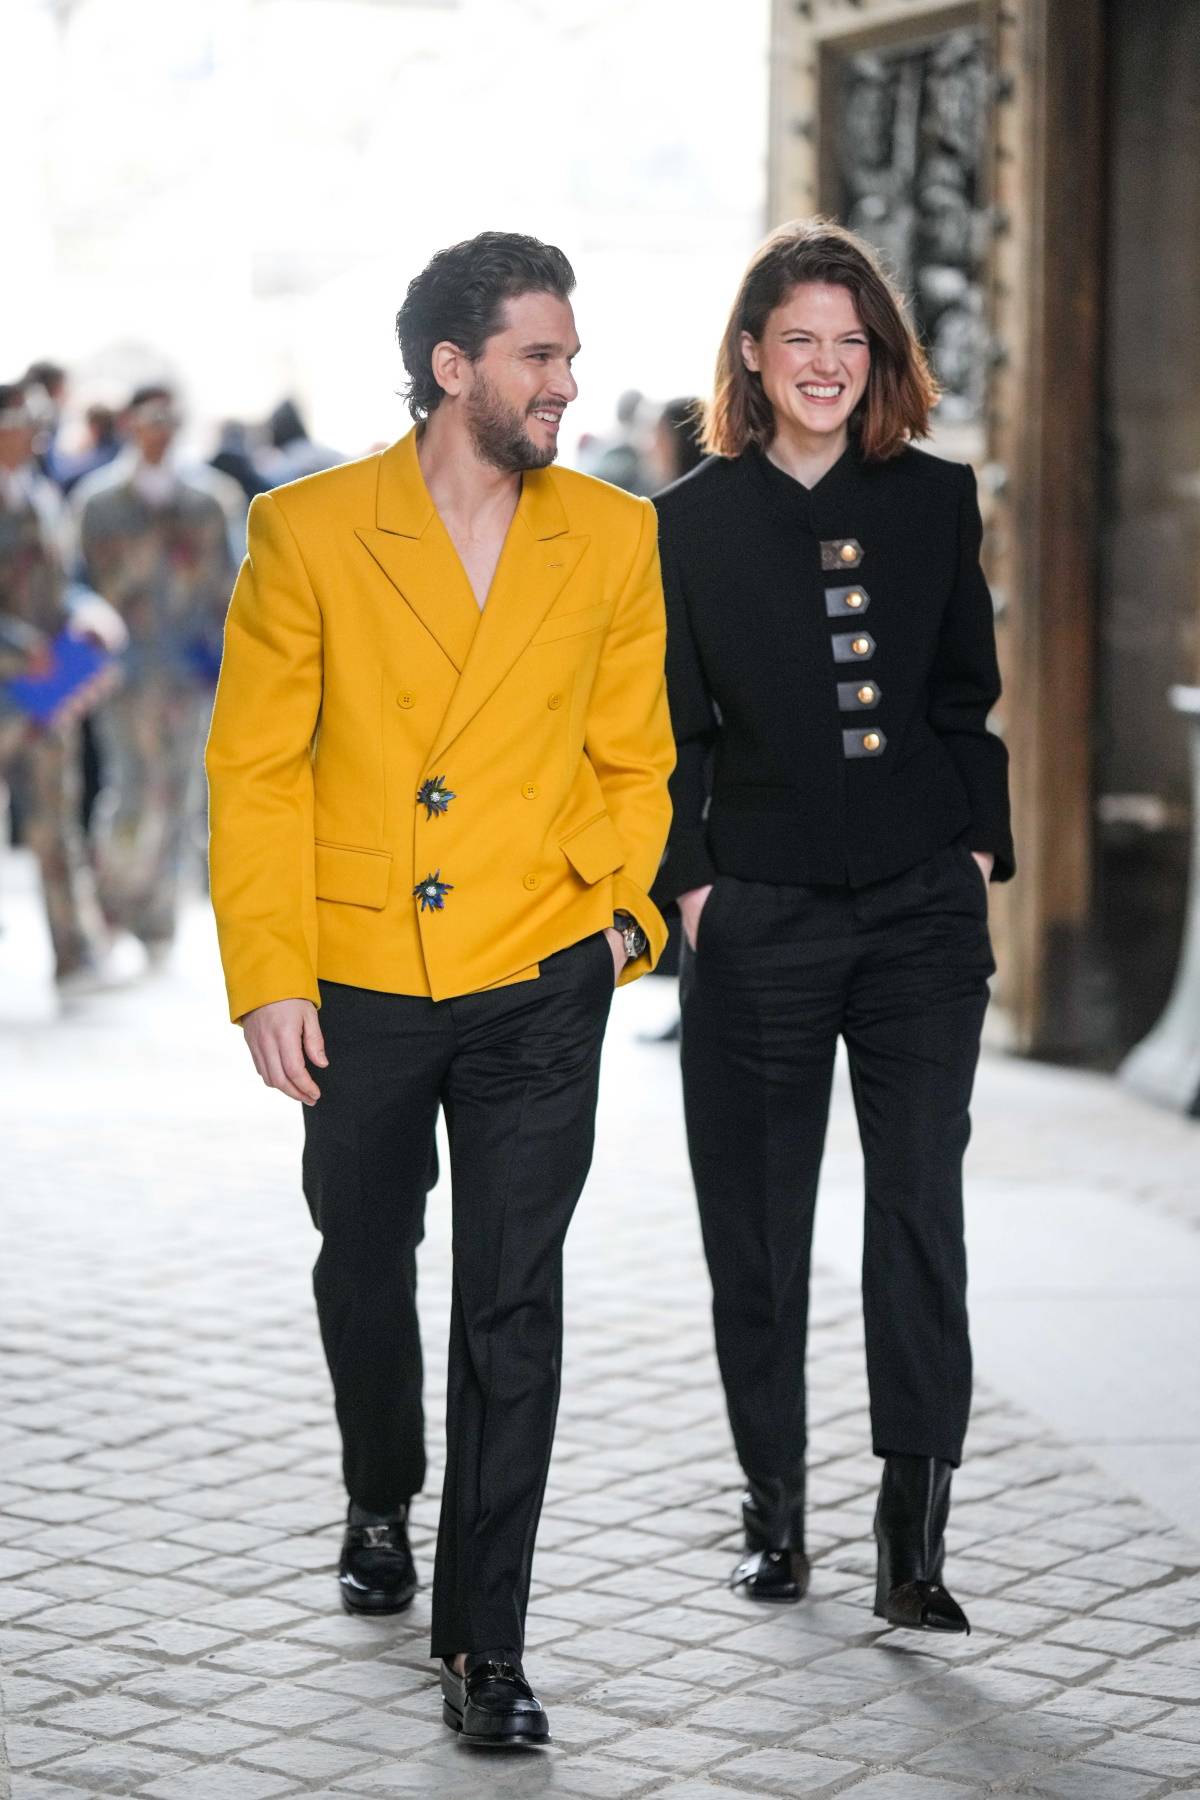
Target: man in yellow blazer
438,768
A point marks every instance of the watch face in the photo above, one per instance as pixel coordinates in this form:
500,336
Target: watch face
634,937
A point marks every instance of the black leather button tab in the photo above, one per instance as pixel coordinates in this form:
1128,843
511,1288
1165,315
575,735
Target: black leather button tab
863,743
846,602
853,646
840,553
857,696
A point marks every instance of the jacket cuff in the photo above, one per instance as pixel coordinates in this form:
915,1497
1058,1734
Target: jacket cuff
247,995
996,845
629,898
686,865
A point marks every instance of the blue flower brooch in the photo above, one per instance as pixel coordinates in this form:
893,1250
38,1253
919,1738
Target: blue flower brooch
432,892
434,796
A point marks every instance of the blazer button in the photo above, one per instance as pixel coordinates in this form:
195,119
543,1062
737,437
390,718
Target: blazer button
860,645
866,695
871,740
554,702
530,790
854,600
532,882
404,699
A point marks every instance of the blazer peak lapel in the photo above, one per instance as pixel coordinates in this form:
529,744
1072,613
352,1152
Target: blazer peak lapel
426,573
413,549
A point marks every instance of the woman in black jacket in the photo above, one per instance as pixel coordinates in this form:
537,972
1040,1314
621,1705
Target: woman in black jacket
840,806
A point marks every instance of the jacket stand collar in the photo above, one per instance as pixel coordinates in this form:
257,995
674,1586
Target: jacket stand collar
811,506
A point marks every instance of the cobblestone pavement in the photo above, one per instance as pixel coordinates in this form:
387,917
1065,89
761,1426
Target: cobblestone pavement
169,1505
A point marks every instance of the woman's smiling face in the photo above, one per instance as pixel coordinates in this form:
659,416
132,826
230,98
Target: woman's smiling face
814,357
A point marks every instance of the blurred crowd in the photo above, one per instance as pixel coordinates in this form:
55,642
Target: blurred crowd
650,446
117,556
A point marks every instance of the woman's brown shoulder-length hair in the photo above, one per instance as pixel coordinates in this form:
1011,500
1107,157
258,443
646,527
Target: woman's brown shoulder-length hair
900,387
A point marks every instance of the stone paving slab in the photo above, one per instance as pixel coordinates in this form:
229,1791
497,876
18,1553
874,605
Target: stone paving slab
169,1501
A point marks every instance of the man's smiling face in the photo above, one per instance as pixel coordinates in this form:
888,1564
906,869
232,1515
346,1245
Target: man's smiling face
522,383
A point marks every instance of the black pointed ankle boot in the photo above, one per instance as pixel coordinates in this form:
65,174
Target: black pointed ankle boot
775,1567
910,1530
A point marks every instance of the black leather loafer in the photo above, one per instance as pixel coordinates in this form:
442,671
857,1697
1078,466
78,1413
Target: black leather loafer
376,1573
492,1704
910,1531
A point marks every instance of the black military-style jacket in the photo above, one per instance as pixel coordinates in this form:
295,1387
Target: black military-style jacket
831,664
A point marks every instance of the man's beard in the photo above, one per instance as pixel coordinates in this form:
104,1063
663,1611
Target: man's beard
499,434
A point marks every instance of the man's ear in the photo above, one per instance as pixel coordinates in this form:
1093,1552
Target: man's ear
449,366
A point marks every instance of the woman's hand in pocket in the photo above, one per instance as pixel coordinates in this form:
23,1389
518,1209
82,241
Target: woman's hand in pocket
691,905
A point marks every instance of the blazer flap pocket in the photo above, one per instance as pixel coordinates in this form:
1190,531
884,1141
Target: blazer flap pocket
560,625
356,877
594,850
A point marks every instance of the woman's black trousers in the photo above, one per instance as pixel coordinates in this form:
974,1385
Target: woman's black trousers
899,969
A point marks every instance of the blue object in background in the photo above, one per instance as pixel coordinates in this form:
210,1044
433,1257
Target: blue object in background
75,663
202,660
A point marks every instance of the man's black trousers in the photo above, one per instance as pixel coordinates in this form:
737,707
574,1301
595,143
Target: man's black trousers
515,1070
899,969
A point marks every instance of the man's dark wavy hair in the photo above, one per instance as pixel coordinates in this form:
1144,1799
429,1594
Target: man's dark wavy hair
459,298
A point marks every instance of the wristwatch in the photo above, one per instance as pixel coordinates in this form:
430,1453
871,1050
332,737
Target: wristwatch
634,937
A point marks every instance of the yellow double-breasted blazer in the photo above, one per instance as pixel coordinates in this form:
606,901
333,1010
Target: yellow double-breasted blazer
358,668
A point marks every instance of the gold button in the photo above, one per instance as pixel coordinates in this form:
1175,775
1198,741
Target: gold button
405,700
860,646
854,600
871,741
866,695
848,553
530,790
554,702
531,882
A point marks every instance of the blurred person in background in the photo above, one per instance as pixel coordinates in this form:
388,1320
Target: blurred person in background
618,458
234,459
45,386
154,541
676,443
39,753
101,446
840,806
291,453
